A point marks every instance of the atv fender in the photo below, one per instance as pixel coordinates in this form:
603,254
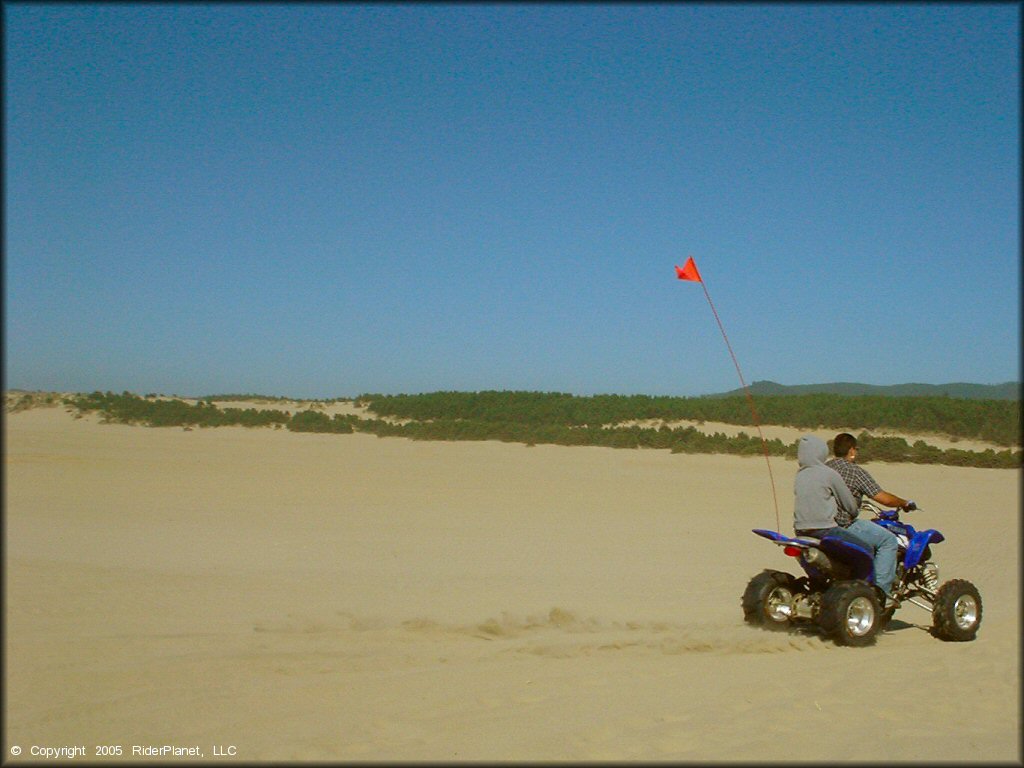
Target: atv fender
918,542
858,558
780,538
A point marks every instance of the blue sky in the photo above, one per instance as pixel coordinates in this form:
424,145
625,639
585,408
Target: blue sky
328,200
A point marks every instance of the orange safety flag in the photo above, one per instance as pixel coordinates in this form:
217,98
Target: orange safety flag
688,271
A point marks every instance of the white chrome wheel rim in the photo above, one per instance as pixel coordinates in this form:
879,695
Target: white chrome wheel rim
860,616
778,606
965,611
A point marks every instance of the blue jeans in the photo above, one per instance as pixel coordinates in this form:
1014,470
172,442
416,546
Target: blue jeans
884,546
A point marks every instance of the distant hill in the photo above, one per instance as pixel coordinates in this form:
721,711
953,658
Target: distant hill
1008,391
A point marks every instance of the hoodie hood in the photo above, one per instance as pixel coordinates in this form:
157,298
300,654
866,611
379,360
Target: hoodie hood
811,451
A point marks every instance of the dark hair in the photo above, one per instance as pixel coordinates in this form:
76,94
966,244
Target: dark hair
843,443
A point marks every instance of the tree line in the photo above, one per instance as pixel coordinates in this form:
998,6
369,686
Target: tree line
994,421
518,425
127,408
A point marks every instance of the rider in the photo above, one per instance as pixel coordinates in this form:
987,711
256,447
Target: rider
825,507
857,479
860,484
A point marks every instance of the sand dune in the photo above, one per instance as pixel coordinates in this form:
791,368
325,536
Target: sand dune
343,597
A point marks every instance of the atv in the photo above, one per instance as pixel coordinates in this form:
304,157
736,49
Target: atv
838,594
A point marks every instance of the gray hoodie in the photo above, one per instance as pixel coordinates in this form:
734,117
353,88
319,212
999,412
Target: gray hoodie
818,488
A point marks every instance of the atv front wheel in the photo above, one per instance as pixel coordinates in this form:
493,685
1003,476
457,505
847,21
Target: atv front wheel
768,600
956,611
850,613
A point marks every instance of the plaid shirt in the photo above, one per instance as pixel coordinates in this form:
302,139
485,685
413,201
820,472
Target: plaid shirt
859,482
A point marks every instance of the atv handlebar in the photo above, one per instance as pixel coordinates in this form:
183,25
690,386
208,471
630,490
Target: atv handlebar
868,505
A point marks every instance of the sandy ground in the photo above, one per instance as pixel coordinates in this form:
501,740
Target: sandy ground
292,597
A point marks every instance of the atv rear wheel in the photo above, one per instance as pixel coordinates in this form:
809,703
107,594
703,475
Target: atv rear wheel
768,600
956,611
850,613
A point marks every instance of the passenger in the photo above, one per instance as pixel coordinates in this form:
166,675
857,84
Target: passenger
820,493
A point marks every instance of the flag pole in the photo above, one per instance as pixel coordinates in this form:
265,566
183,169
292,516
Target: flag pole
689,272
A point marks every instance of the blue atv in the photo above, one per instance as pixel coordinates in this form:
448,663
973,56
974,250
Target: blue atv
838,593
